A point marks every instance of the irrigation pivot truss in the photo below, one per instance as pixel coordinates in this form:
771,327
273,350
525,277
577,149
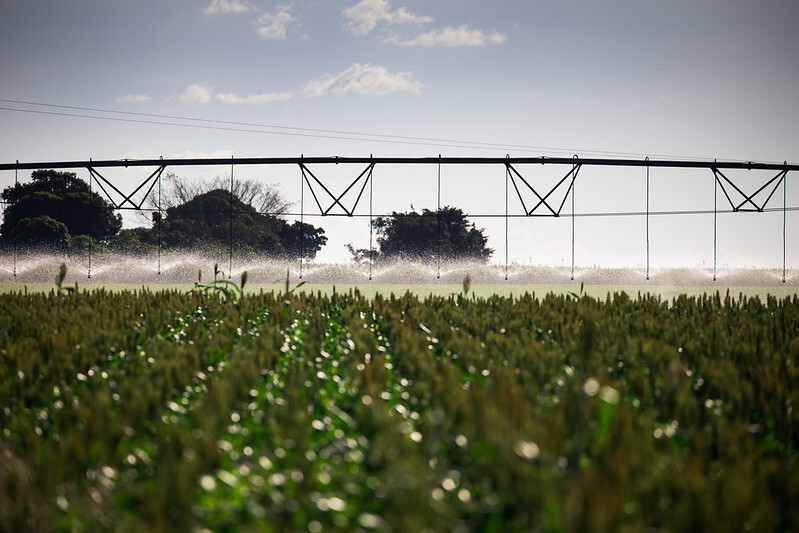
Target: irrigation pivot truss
543,202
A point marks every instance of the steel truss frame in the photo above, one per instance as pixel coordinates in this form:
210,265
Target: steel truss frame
337,199
749,198
544,205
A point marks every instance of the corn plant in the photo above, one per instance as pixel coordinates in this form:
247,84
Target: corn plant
223,287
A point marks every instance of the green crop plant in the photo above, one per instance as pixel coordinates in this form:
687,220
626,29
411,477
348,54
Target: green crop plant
288,288
60,289
221,286
167,411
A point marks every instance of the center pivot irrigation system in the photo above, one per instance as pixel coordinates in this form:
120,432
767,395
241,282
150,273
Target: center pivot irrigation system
545,203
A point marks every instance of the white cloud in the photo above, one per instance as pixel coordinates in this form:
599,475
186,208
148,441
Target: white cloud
460,36
196,93
274,25
364,16
222,7
363,79
134,99
230,98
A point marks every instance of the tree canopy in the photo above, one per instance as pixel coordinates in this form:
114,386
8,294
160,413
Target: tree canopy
204,222
52,209
57,211
177,190
423,236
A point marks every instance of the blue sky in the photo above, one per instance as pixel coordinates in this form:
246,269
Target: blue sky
697,79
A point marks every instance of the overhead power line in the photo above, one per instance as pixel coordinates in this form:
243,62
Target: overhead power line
183,121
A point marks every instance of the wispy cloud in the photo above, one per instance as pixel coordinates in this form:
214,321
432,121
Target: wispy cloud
230,98
196,93
363,79
134,99
460,36
364,16
222,7
274,25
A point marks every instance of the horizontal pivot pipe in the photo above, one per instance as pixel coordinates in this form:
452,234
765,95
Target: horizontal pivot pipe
744,165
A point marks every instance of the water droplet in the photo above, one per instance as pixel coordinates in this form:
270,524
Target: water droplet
208,483
62,503
609,394
371,521
526,450
227,478
336,504
591,387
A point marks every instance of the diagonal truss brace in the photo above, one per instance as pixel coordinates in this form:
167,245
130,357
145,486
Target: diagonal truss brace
337,200
748,198
152,179
542,200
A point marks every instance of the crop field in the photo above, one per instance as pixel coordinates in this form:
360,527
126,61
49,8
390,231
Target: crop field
332,411
369,290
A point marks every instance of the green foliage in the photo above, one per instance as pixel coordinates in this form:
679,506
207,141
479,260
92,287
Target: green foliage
60,289
59,278
41,232
177,190
222,287
362,256
204,223
577,296
53,207
169,411
301,239
134,241
289,290
422,236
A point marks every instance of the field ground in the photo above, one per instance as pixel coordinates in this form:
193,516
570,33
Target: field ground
369,290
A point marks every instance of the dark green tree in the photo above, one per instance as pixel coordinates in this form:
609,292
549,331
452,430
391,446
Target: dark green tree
301,239
43,232
362,255
204,223
423,236
135,241
55,197
178,190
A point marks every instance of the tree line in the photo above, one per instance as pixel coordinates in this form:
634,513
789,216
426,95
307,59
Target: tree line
58,212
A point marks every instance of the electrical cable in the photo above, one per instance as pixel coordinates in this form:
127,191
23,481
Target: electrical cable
599,214
250,127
